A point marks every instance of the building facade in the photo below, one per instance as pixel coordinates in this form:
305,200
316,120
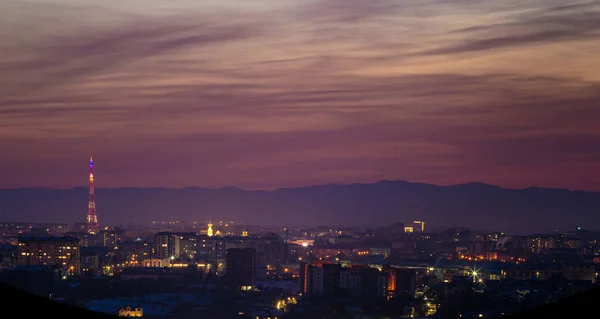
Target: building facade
62,252
166,245
241,268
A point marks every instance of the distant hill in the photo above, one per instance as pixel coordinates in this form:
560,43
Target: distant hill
472,205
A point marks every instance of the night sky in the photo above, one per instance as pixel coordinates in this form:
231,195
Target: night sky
281,93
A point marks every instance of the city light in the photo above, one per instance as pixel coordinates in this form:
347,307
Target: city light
277,266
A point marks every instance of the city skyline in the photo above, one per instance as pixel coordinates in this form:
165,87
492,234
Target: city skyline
274,94
294,159
471,205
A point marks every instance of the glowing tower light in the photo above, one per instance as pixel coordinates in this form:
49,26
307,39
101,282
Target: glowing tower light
92,218
209,232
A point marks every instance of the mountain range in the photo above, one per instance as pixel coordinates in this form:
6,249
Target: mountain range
473,205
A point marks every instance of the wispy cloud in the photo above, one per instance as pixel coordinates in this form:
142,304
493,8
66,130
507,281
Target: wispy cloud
326,91
71,58
548,25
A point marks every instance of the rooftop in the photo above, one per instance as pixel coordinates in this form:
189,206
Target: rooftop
47,238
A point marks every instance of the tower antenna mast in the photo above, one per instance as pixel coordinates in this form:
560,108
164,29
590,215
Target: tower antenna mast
92,218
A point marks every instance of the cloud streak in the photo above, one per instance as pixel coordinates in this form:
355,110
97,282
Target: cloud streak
561,25
279,94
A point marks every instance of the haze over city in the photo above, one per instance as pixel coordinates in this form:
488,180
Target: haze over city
268,94
334,159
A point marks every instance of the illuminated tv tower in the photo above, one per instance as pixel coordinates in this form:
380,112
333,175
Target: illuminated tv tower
92,218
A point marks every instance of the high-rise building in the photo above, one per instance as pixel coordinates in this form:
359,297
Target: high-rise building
61,252
304,278
321,280
106,237
404,282
188,245
92,218
166,245
275,249
329,280
373,283
94,258
404,247
316,282
241,268
206,248
350,282
133,252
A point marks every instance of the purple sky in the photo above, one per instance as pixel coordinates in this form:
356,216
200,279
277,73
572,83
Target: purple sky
280,93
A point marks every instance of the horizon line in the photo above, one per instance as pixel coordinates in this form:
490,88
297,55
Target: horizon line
306,186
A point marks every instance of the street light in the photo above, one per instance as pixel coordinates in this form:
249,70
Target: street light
475,274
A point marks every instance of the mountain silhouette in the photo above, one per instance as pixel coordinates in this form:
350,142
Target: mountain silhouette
474,205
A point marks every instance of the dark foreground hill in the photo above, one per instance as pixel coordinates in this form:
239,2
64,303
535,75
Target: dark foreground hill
580,306
17,303
472,205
